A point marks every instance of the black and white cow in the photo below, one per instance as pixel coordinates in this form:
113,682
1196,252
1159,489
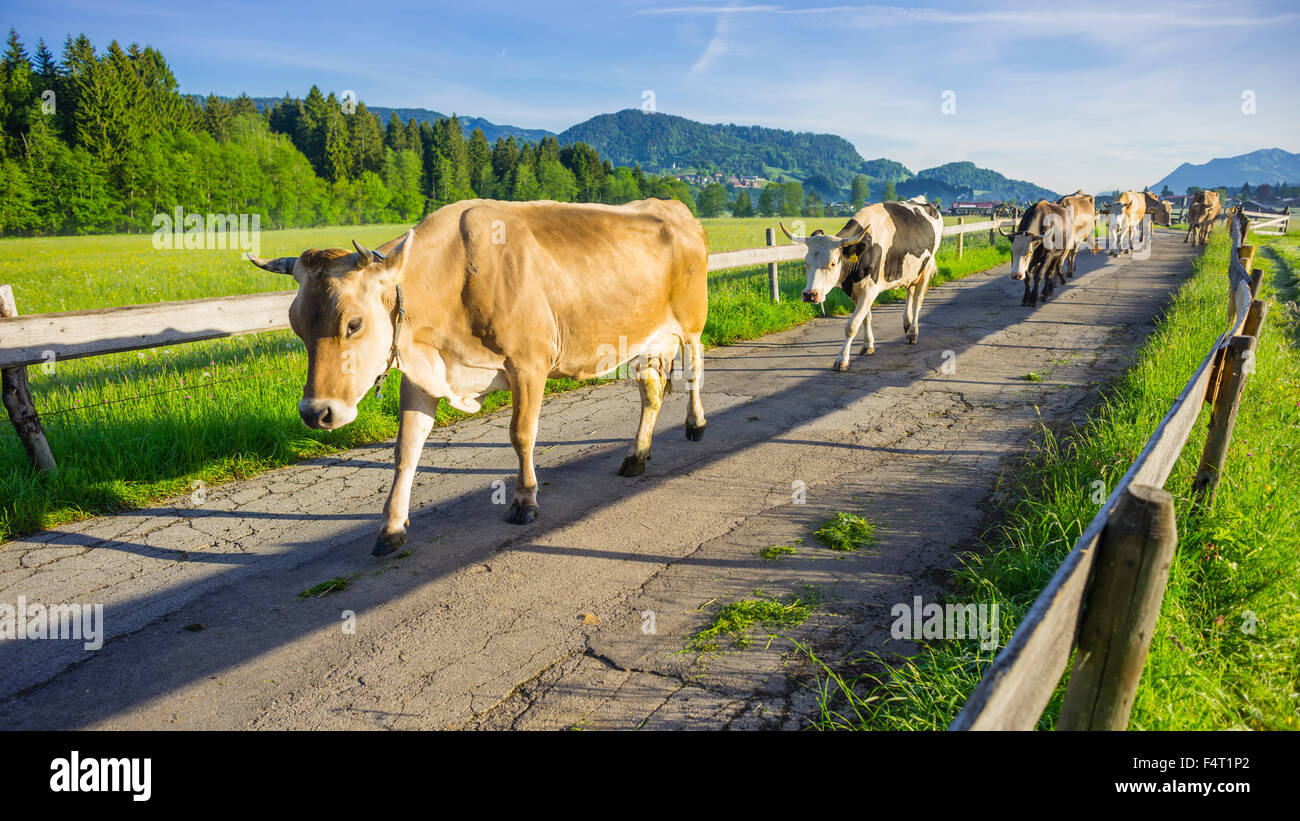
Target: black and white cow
884,246
1041,242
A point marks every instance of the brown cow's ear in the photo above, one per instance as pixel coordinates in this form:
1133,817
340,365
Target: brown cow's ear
280,265
396,259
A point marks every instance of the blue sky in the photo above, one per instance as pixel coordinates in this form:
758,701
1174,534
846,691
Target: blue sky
1113,96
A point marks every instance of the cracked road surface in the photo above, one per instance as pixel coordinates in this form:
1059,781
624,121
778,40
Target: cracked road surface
482,624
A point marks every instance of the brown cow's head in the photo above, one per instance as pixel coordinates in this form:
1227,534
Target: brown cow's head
1162,213
345,315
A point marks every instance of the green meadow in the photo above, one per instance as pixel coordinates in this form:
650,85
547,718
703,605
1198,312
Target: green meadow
130,429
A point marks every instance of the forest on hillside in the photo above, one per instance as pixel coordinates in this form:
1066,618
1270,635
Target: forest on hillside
824,162
100,142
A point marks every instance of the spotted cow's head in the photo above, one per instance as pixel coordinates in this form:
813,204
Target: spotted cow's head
1024,244
824,260
345,314
1028,246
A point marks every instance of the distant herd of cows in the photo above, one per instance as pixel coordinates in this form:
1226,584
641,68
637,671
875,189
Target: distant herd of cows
484,295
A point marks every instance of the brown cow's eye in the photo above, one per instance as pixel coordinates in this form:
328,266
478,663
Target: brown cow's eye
354,326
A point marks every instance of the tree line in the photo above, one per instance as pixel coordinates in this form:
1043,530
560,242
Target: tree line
102,142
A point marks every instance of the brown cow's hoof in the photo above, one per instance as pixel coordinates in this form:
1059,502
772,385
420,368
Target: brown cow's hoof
911,339
521,514
388,542
840,366
633,465
693,433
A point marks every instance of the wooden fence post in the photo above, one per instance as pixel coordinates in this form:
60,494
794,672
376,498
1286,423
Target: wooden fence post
18,401
1237,361
993,232
1129,576
960,237
773,286
1254,318
1246,253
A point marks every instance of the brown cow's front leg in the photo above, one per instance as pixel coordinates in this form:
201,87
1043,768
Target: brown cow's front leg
650,381
526,391
417,413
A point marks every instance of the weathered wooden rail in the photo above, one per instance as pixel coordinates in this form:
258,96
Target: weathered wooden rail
1264,219
1105,597
54,337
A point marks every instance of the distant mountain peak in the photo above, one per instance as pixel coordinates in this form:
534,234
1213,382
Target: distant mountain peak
1264,165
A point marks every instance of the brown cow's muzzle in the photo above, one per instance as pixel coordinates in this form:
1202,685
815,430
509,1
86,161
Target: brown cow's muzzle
325,414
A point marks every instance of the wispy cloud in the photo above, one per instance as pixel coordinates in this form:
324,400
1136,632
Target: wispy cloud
1228,16
719,45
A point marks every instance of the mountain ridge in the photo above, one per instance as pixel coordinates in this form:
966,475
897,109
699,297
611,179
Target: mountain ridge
986,183
1263,165
659,141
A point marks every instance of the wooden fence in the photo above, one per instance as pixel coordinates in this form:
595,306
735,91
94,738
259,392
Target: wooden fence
1105,597
45,338
1280,221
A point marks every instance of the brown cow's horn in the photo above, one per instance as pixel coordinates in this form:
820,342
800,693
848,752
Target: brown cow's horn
1005,234
280,265
367,256
792,237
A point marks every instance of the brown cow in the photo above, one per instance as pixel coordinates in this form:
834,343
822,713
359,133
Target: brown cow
1083,209
1126,214
484,295
1162,213
1201,214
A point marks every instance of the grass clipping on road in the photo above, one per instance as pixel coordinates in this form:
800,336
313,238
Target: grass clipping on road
1226,649
130,429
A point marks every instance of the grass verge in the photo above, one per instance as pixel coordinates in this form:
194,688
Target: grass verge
1226,650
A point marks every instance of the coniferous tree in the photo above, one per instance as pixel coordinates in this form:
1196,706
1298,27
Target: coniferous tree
713,200
18,94
480,163
743,207
859,192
